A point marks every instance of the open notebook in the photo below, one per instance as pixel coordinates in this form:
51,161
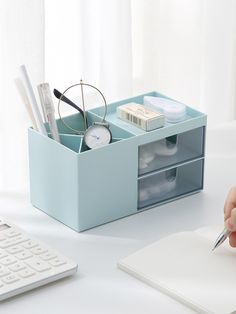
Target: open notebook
184,266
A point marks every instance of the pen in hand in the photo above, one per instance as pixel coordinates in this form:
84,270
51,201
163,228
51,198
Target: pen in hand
221,238
229,220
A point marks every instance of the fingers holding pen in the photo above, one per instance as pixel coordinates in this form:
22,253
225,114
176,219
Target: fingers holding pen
230,215
230,218
232,239
230,223
230,203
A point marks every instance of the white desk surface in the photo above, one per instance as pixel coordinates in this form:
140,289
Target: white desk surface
99,287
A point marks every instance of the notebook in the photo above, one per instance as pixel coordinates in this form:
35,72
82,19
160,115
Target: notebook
184,266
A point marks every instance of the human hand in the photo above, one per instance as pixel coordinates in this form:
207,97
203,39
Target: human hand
230,215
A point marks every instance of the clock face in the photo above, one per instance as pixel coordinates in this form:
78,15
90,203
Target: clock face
97,136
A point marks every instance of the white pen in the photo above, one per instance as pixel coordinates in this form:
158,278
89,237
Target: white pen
22,92
35,109
48,109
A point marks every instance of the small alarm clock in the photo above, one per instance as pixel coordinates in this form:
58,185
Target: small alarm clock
97,135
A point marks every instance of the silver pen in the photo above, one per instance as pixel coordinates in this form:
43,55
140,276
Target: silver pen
221,238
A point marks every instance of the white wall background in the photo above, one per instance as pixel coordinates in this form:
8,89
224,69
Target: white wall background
185,49
182,48
21,41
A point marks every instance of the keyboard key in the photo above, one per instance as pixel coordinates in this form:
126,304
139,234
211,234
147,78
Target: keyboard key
18,239
8,260
2,237
17,266
58,261
4,272
6,243
23,255
25,262
2,253
38,250
26,273
37,264
14,249
47,256
10,278
11,233
9,242
29,244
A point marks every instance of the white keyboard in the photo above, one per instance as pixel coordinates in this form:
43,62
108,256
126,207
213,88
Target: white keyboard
26,263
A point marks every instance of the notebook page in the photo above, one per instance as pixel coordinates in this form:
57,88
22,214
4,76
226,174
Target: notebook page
210,232
184,266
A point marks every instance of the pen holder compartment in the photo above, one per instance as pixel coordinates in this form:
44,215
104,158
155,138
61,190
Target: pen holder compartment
80,188
71,141
74,141
85,188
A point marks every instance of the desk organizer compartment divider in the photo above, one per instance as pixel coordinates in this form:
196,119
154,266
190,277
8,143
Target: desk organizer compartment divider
85,188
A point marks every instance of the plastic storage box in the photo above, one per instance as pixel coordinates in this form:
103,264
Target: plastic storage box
138,170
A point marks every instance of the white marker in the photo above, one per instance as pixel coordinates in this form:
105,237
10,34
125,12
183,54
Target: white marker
22,92
35,109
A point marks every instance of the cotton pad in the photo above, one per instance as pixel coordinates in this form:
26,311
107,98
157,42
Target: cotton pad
162,148
142,164
173,111
143,194
146,153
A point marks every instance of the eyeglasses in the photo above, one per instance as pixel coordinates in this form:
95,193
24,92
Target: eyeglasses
78,128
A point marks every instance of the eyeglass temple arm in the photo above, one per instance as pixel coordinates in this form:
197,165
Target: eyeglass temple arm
60,96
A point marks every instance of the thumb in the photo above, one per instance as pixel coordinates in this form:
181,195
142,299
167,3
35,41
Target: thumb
230,223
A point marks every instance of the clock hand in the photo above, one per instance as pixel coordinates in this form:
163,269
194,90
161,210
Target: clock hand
97,137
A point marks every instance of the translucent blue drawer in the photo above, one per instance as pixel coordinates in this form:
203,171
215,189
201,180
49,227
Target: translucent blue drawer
171,183
171,150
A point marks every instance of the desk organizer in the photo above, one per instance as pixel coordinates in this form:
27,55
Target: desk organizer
138,170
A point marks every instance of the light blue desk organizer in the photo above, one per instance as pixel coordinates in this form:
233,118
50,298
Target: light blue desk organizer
86,188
